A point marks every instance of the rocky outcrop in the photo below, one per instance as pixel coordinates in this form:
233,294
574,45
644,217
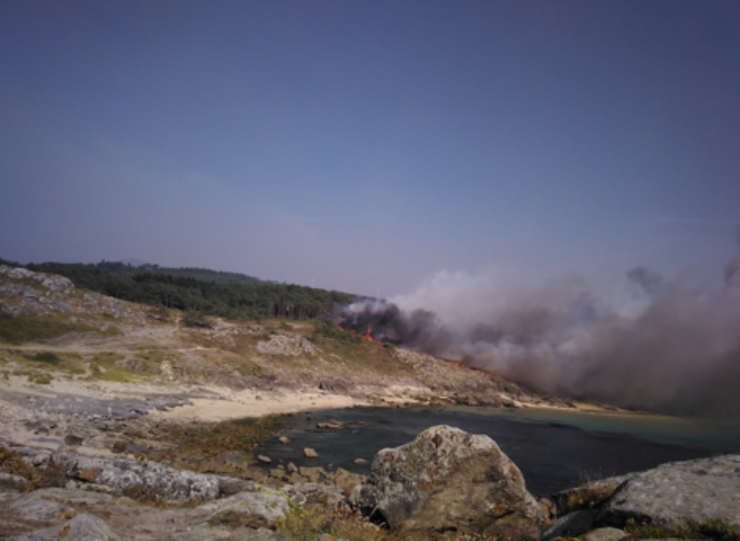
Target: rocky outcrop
678,495
293,346
25,292
52,282
76,515
447,479
82,527
145,479
692,499
573,524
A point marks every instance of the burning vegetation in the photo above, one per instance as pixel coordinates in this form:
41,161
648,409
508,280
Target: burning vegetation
668,346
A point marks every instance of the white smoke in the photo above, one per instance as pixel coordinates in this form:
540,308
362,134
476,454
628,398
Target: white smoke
664,345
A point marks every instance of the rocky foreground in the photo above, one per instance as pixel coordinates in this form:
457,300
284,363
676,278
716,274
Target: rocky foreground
446,484
102,436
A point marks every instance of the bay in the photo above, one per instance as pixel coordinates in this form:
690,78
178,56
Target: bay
555,449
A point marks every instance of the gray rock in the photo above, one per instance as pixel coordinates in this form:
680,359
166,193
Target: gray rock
264,459
264,535
229,486
335,385
40,459
35,508
571,525
249,505
308,493
9,480
41,426
73,440
77,497
331,424
448,479
83,527
679,494
605,534
149,478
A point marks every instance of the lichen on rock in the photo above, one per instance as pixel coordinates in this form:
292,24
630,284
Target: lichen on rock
448,479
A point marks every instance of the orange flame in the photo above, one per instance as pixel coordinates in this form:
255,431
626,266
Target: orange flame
461,365
367,336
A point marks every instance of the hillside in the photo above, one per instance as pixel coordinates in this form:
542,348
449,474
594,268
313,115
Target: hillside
100,395
102,338
224,294
126,269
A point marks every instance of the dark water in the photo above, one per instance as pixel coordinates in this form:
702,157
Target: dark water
554,449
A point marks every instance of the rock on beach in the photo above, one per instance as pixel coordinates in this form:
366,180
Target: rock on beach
447,479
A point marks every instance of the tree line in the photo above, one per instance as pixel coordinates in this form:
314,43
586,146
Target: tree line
229,295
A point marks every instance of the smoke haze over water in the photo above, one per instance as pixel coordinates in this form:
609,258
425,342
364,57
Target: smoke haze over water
664,346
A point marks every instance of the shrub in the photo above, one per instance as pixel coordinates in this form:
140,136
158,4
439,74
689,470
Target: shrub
160,313
45,357
19,329
53,475
587,496
193,318
11,462
712,528
326,328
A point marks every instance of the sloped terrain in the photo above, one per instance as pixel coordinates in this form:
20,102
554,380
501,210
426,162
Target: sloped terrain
61,331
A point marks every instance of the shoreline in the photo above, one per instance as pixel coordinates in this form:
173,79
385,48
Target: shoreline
210,403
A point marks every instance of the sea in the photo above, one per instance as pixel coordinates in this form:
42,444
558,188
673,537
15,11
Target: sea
555,449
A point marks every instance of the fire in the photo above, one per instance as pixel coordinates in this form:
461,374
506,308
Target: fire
367,336
461,365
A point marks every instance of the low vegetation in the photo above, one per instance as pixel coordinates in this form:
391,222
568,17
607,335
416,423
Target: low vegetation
53,475
342,523
588,496
20,329
192,443
713,528
326,328
43,363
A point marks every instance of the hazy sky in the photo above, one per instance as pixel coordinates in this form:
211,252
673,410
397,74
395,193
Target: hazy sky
366,145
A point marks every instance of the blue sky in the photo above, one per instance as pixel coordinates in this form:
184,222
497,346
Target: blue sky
365,146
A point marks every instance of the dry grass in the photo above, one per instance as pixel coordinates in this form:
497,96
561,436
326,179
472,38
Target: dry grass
713,528
20,329
112,366
53,475
206,441
70,363
588,496
342,522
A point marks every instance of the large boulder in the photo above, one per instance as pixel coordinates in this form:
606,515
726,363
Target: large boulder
449,480
697,494
147,480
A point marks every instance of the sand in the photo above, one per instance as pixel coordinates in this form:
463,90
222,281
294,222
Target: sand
253,404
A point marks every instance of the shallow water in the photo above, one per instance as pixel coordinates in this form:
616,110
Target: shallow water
713,435
555,449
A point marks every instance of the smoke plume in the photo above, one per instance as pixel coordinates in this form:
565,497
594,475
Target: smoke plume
666,346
